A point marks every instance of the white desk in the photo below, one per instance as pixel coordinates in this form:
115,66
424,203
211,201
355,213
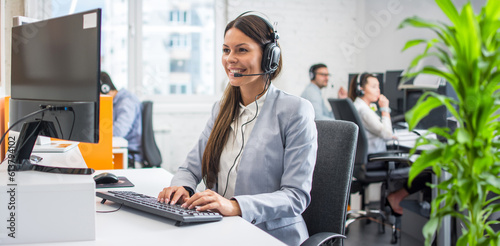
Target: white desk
407,139
132,227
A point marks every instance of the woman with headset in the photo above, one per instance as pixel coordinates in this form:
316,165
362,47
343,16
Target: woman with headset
257,152
365,92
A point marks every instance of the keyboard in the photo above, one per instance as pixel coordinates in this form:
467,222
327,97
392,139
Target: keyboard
150,204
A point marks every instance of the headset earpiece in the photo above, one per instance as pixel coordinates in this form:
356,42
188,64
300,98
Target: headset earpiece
271,58
312,74
359,90
105,88
272,52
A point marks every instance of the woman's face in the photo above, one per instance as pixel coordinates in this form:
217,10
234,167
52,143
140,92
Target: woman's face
241,54
371,89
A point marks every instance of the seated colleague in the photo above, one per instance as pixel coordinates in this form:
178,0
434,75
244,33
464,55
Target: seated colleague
257,152
365,92
318,73
364,95
127,118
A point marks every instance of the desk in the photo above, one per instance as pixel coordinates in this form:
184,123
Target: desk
407,139
128,226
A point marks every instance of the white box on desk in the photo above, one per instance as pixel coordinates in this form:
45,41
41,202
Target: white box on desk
47,207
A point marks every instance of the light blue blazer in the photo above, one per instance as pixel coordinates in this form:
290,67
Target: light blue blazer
275,172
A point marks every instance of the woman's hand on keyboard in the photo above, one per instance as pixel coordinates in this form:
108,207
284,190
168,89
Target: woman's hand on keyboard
173,195
211,200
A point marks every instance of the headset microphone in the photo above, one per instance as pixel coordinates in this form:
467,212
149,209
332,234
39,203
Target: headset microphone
254,74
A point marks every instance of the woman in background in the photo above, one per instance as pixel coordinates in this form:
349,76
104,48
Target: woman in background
365,92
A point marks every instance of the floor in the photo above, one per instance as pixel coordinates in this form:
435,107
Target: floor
365,232
362,233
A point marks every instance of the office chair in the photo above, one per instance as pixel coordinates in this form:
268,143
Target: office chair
385,168
151,156
326,215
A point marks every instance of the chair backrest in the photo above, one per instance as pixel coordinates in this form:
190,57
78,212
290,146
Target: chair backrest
332,177
151,153
344,110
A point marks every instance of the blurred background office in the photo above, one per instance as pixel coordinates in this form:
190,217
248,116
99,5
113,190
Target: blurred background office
169,51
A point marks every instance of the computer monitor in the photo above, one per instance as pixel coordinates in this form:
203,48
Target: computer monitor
56,69
391,91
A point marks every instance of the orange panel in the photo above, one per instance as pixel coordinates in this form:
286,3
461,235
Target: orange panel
4,121
118,160
100,156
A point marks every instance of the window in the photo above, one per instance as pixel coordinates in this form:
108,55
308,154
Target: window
152,47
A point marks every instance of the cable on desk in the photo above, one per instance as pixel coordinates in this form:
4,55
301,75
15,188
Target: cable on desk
111,211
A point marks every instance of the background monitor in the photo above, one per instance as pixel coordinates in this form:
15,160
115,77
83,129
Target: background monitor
391,91
56,64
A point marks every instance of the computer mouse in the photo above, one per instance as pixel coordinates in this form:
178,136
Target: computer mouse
105,178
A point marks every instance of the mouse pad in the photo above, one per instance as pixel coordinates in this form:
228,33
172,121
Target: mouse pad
122,182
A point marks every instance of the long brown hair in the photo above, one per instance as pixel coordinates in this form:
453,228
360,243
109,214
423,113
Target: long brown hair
257,29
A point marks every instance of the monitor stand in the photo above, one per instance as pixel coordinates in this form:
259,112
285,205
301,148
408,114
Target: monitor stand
27,138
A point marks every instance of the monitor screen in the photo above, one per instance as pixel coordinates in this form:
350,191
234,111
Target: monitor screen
56,65
392,92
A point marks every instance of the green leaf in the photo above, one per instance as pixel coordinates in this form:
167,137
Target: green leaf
425,160
418,22
421,109
492,10
429,229
463,136
449,9
412,43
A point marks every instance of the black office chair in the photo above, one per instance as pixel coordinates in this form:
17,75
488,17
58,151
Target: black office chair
326,215
385,167
151,156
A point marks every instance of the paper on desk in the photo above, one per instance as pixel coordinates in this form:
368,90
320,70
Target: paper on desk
55,147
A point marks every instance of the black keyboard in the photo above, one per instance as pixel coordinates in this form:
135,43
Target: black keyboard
151,205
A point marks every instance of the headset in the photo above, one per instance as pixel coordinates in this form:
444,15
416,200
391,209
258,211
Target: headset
272,52
312,74
359,79
313,68
105,88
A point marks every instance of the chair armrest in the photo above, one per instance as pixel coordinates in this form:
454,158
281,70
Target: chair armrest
321,237
395,158
387,153
133,152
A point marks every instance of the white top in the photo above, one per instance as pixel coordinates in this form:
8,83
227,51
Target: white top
378,129
235,143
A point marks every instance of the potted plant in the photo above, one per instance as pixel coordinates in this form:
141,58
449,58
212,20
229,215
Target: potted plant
469,50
